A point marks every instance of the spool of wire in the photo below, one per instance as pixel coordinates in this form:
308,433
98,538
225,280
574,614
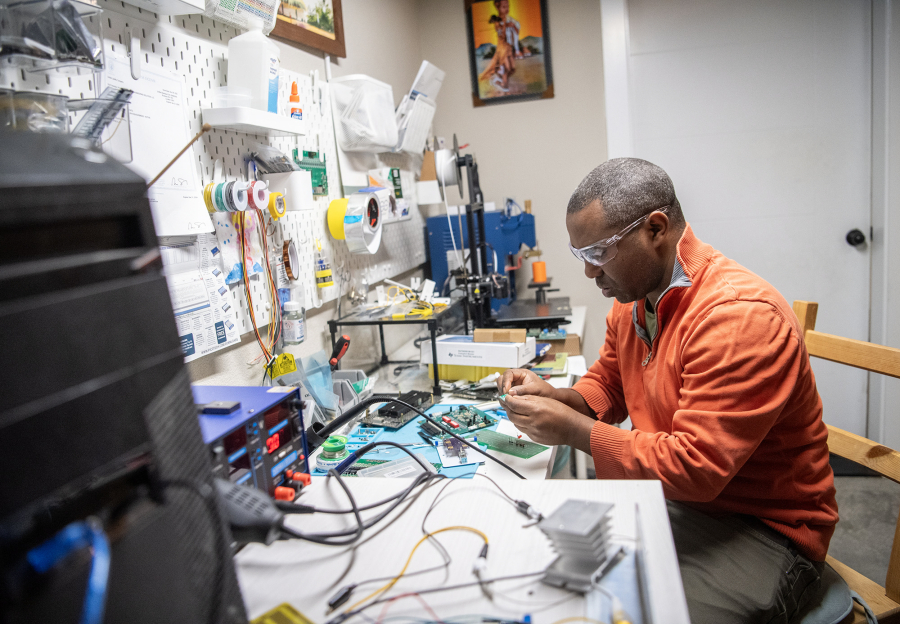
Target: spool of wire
258,195
334,451
239,195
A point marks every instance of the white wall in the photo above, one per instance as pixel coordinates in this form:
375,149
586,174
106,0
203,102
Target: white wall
381,39
538,150
884,393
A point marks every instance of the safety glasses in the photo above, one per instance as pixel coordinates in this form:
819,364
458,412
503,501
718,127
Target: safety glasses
603,251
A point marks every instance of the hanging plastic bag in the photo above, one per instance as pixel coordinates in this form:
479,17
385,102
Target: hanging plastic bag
227,226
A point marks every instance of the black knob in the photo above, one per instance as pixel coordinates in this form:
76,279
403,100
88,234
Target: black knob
855,237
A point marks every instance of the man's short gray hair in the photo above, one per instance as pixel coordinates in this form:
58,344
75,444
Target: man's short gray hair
628,189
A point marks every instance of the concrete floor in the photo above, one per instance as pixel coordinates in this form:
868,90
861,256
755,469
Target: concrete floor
868,507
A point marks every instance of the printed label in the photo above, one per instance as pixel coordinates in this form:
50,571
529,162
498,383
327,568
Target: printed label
294,331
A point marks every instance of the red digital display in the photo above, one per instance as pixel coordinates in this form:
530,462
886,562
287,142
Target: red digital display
273,442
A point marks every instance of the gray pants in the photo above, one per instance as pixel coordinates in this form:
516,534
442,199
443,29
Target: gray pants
737,569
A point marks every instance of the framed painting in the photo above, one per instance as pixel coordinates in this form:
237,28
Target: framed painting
509,50
314,23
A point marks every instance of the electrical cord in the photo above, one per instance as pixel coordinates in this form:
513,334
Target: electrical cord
425,537
319,539
431,590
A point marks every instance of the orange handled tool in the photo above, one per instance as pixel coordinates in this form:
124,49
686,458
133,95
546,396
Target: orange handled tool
340,348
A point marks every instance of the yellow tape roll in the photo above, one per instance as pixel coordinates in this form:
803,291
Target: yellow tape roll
336,212
277,207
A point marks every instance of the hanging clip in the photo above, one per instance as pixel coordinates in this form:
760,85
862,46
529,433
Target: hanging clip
134,54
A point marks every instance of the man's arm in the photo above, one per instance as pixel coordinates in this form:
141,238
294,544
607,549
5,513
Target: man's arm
740,365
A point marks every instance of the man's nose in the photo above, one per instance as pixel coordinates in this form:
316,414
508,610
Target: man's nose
592,271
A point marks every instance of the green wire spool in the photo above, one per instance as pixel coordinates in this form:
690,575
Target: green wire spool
335,447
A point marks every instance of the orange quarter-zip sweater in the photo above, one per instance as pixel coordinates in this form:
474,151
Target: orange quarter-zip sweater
723,402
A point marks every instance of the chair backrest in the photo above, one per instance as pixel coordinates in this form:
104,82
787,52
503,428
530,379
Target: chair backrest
871,357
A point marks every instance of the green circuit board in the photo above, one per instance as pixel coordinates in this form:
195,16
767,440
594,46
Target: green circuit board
467,418
315,164
503,443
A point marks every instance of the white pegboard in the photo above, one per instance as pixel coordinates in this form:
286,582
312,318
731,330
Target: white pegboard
196,47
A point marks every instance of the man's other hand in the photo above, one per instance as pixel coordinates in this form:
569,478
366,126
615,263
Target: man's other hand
520,381
547,421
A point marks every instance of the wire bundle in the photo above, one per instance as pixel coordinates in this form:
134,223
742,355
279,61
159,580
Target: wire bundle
274,332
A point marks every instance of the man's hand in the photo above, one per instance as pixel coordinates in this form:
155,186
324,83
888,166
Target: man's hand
548,421
520,381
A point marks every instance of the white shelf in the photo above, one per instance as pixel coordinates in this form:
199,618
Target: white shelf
170,7
253,121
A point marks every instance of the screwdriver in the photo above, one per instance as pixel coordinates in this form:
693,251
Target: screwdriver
340,348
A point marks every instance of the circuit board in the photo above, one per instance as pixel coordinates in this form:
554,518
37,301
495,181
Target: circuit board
394,415
462,420
316,166
547,334
503,443
368,463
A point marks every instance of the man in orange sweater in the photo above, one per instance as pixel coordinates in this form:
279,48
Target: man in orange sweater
709,362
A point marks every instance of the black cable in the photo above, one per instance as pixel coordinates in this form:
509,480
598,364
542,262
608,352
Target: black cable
318,539
207,493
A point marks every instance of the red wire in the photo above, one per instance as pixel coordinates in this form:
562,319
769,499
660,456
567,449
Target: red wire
417,597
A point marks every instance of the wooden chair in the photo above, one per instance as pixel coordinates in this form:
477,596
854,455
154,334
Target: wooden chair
884,601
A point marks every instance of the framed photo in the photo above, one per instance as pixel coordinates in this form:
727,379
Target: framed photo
509,50
315,23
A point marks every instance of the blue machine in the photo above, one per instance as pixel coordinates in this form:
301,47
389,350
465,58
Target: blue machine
506,234
259,441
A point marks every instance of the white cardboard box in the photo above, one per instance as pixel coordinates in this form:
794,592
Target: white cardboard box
464,351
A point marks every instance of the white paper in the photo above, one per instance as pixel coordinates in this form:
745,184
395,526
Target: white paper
428,81
159,130
204,316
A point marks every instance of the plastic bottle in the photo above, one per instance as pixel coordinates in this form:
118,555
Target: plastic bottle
296,111
253,62
293,323
324,276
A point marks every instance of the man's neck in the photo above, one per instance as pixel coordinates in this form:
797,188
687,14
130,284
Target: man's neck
654,295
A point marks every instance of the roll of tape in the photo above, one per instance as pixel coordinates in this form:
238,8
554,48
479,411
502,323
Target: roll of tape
363,219
276,205
258,195
291,259
239,196
337,209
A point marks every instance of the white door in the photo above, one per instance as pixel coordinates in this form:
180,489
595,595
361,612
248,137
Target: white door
759,110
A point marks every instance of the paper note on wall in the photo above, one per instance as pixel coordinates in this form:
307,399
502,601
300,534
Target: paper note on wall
204,316
159,130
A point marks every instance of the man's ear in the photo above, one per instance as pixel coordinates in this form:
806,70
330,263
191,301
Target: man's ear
659,226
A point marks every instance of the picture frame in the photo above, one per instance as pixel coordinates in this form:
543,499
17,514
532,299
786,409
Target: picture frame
316,24
509,51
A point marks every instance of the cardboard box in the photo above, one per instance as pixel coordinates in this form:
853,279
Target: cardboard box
571,345
500,335
464,351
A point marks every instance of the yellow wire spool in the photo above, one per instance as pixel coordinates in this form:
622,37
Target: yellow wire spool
337,209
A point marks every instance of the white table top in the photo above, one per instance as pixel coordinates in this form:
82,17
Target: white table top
306,575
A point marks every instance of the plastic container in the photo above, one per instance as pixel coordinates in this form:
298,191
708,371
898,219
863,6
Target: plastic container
253,62
293,323
405,468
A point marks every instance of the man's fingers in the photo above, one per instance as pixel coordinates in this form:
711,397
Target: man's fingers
520,404
534,388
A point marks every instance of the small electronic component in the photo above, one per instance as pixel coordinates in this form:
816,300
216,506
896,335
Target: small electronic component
507,444
454,447
394,415
220,407
315,164
430,428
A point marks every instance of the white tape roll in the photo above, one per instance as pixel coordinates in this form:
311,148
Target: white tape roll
363,220
239,195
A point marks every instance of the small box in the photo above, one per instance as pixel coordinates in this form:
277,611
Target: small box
571,345
500,335
463,350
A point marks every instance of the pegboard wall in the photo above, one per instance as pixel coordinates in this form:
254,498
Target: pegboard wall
196,47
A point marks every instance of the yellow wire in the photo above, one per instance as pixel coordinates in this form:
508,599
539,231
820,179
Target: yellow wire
394,580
